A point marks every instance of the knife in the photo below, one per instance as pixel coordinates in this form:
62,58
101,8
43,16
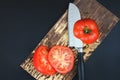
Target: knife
73,16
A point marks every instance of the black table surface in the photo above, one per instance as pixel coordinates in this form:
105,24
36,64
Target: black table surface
23,23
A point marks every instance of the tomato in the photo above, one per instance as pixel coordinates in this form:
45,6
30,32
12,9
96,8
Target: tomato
61,58
40,61
86,30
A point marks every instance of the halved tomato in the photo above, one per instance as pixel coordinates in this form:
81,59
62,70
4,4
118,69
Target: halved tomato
61,58
40,61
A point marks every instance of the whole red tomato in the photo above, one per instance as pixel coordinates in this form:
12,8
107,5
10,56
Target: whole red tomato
86,30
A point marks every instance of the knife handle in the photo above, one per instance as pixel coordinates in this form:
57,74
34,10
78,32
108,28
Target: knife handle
81,70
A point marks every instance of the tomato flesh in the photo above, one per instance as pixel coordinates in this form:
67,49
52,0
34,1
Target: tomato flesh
40,61
61,58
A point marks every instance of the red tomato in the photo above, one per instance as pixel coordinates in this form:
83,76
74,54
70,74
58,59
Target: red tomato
86,30
40,61
61,58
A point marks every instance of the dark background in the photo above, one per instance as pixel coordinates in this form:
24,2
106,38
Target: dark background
23,23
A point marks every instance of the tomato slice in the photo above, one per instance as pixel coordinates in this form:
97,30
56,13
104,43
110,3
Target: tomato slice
40,61
61,58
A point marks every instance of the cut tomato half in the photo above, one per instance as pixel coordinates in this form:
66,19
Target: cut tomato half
61,58
40,61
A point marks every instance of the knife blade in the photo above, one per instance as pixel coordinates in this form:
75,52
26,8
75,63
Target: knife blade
73,16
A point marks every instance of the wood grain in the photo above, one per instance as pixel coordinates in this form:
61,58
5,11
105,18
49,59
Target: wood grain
58,35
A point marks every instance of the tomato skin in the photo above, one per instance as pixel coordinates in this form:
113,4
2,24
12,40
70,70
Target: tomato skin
61,58
40,61
86,30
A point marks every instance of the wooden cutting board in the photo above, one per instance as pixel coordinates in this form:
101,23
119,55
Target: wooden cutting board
58,35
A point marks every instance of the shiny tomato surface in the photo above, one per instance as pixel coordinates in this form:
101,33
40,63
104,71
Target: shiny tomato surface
86,30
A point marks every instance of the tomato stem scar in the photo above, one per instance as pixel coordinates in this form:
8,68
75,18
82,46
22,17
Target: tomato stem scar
87,30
